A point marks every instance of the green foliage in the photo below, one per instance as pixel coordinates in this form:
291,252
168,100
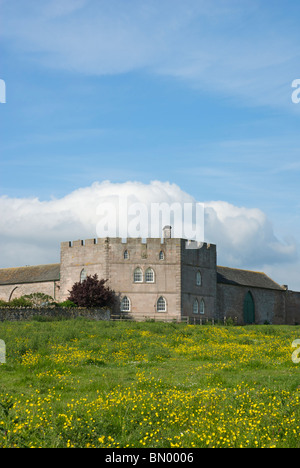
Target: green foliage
20,302
230,322
39,299
68,304
30,300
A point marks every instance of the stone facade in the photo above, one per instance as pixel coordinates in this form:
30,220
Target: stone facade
293,308
159,278
9,292
174,268
269,304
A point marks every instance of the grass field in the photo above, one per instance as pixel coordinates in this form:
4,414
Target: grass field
122,384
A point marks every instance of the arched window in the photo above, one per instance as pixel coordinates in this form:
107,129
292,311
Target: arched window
83,276
198,278
138,275
161,255
125,304
161,305
126,255
149,276
202,307
196,307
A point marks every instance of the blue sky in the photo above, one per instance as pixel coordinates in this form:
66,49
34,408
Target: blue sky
194,93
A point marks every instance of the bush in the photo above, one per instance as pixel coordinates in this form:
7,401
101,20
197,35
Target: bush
39,299
67,304
229,322
20,302
92,292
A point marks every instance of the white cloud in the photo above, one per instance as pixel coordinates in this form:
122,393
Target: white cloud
245,236
31,230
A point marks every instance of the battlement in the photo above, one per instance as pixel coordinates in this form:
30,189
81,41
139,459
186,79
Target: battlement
134,241
118,240
195,245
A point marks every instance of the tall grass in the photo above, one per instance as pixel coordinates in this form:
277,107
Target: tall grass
80,383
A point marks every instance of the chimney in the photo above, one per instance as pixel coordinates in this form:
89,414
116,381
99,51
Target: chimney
167,232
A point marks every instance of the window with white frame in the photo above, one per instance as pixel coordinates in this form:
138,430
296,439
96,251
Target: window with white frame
161,304
125,304
149,275
138,275
161,255
83,276
198,278
202,307
196,307
126,255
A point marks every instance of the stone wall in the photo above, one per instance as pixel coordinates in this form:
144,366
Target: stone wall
200,259
21,314
293,308
270,305
13,291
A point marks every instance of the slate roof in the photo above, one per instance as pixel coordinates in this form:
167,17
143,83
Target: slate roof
30,274
253,279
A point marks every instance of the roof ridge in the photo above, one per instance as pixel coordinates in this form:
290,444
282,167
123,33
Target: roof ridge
242,277
244,269
30,266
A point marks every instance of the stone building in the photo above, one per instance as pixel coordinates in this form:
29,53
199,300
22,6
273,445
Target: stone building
160,278
17,282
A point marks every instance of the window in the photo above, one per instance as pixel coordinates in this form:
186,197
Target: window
198,278
138,275
126,255
83,276
202,307
125,304
149,276
196,307
161,305
161,255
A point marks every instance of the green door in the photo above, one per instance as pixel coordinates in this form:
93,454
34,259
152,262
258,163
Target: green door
249,309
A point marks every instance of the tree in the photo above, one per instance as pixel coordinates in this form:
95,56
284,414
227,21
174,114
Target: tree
92,292
39,299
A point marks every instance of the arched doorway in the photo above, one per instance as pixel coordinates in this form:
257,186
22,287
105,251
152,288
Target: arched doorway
249,309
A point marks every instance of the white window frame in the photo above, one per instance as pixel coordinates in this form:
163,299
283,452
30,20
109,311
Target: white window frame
126,255
140,271
158,309
202,307
128,309
196,307
148,272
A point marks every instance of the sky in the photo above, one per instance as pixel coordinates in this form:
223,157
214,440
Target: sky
160,101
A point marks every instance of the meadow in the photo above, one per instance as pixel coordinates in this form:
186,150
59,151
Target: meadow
81,383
